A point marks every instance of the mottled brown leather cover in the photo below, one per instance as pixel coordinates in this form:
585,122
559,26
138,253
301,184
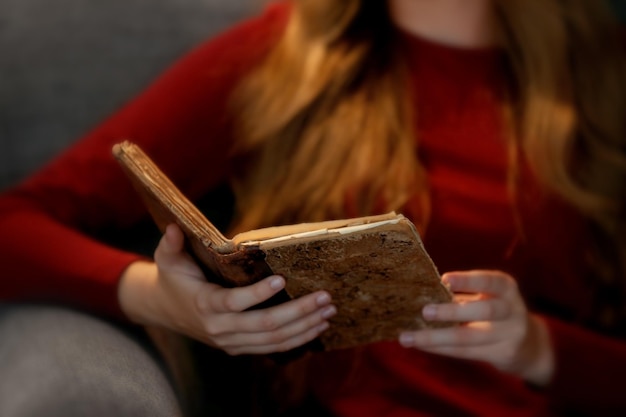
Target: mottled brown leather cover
379,279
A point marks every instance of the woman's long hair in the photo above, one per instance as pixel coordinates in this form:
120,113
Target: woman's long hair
327,113
569,69
327,116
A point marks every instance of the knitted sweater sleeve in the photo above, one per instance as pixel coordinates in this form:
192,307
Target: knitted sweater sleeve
589,371
48,223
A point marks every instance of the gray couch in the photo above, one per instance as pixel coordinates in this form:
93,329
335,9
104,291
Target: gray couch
65,65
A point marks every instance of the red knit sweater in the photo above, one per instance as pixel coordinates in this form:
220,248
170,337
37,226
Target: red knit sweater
183,123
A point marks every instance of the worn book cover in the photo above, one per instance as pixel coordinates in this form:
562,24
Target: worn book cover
375,268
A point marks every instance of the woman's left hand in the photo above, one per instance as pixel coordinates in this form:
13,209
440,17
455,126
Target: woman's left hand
495,326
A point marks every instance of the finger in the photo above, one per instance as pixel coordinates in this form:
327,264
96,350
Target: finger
170,246
278,316
495,283
484,310
170,254
461,352
173,238
473,334
230,300
464,297
279,335
240,299
292,343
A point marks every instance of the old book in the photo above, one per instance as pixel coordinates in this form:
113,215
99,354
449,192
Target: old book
375,268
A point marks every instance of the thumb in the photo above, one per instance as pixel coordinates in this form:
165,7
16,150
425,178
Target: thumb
171,243
174,238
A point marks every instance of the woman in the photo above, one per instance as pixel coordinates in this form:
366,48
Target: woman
494,125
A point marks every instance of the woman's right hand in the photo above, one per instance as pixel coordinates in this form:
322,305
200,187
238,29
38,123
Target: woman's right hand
172,292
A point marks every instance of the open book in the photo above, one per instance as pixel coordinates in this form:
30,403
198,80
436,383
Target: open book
375,268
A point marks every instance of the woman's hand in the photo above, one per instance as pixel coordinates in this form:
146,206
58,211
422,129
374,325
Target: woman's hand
173,293
495,326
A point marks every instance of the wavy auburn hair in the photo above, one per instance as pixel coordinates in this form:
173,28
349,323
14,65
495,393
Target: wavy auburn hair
327,115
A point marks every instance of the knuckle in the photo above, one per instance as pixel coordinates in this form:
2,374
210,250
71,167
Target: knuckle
277,336
230,301
211,329
446,312
259,291
267,338
268,322
303,305
463,336
201,301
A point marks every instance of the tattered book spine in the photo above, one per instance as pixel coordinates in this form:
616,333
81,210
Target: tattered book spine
220,260
244,266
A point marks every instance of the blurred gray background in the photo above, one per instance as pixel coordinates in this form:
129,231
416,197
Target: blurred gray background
67,64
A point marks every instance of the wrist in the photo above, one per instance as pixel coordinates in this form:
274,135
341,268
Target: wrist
136,292
539,366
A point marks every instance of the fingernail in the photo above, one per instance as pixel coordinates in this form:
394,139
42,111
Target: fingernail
322,299
329,311
448,278
406,339
277,283
429,312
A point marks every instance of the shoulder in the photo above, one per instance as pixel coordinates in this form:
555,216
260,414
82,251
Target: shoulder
247,42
